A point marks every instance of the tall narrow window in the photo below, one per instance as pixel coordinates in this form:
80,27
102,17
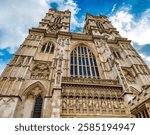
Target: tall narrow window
100,25
37,107
57,19
83,63
48,48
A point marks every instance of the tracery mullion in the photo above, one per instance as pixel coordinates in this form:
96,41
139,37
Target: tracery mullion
88,52
73,64
85,61
50,47
75,60
78,73
81,60
45,47
94,66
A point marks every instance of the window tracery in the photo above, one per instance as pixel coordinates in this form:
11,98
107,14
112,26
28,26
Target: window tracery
83,63
48,48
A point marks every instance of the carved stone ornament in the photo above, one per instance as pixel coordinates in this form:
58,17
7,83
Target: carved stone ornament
40,71
54,27
129,76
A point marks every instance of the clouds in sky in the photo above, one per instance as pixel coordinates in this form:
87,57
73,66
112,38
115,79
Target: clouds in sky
135,29
138,30
18,16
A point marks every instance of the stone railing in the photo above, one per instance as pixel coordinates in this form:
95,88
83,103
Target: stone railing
89,81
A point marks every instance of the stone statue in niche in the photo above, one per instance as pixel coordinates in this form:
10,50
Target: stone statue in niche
115,104
90,103
64,103
103,104
109,104
96,104
84,104
71,103
77,103
58,78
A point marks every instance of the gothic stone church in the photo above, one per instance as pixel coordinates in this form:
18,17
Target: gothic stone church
58,73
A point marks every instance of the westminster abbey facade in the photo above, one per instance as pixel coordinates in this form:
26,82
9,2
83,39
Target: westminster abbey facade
58,73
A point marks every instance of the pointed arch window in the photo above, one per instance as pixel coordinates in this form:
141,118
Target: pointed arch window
83,63
100,25
57,19
48,48
37,107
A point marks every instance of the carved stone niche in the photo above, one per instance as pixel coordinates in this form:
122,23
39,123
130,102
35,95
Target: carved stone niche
128,75
40,71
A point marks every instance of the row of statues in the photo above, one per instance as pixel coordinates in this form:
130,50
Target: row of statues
81,104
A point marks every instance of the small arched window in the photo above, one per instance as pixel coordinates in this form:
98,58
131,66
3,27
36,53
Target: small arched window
83,63
100,25
57,19
48,48
37,107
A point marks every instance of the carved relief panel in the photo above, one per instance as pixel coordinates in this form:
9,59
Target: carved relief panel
40,71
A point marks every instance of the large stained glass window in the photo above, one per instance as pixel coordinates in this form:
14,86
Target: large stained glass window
83,63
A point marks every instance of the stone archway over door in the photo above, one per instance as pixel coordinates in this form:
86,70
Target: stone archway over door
26,107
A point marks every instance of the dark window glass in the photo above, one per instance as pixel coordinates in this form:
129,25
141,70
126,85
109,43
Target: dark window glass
80,70
93,73
146,113
88,70
79,60
97,73
85,51
47,49
79,50
82,50
87,62
43,48
71,60
52,49
76,72
95,62
84,71
75,60
71,71
91,61
37,107
143,114
83,61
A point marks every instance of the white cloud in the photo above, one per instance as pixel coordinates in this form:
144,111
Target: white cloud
138,30
114,7
146,59
16,17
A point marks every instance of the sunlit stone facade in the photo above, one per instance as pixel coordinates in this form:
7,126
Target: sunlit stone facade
58,73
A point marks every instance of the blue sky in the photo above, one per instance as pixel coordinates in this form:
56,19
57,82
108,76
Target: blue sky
130,17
